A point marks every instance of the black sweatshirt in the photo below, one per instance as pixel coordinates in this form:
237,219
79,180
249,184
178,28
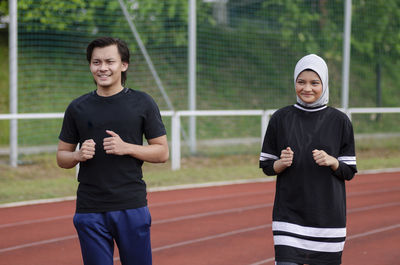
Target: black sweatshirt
309,215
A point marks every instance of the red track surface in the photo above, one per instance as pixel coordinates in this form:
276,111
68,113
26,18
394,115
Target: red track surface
223,225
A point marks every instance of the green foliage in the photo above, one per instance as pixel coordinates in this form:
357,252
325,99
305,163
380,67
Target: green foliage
315,26
59,15
153,16
312,25
3,8
377,25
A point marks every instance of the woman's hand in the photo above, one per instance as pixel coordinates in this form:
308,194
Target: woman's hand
285,161
323,159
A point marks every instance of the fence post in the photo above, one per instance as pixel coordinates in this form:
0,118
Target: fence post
264,124
176,141
346,54
192,73
13,57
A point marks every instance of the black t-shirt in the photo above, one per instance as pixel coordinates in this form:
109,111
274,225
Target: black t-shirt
111,182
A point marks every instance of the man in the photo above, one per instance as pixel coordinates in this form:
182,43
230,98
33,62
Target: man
109,124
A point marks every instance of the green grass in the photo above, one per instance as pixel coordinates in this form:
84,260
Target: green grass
247,80
39,177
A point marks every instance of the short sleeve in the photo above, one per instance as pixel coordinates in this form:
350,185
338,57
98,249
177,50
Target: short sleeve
153,126
269,153
347,155
69,132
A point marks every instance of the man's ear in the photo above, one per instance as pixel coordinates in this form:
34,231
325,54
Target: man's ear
124,66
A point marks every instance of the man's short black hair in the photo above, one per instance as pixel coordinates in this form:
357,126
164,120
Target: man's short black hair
102,42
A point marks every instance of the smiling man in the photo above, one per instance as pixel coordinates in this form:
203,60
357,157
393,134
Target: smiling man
109,124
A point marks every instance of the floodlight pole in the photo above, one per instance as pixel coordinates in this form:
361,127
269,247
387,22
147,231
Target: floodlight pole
13,75
192,73
346,55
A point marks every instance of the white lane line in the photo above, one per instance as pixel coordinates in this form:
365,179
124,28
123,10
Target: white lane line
37,202
152,205
236,195
263,261
176,219
191,217
202,239
28,222
360,193
218,197
373,207
38,243
213,213
375,231
212,184
150,190
368,233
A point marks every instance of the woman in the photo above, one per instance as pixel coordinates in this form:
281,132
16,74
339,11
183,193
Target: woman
310,147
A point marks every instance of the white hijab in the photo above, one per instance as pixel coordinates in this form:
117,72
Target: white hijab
318,65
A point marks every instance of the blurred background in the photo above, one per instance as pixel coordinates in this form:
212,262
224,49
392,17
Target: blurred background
246,52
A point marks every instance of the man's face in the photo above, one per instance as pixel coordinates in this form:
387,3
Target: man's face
106,67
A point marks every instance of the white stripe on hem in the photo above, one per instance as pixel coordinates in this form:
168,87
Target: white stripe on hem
308,244
309,231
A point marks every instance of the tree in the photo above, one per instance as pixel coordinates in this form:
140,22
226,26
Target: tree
48,14
376,36
153,16
310,26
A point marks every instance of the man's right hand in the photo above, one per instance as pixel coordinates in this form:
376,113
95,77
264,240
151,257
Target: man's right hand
86,151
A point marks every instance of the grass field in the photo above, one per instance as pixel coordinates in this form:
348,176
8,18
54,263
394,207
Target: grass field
39,177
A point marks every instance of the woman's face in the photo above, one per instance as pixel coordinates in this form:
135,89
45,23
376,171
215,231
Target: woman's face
308,86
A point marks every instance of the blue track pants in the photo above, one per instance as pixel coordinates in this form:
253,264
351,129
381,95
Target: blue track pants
129,228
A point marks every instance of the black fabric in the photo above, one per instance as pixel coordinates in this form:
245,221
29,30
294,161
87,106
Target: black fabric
308,194
111,182
303,256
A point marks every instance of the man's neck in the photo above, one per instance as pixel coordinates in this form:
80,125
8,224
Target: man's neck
108,91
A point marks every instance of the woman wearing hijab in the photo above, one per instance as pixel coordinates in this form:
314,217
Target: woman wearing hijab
310,147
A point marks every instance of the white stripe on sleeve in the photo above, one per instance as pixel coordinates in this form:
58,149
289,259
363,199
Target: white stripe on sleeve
349,160
265,157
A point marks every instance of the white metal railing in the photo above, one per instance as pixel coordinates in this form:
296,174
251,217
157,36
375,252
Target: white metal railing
176,122
176,126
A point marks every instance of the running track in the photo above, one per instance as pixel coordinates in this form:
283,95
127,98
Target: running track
219,225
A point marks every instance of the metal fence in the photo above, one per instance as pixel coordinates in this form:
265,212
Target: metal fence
176,137
201,55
